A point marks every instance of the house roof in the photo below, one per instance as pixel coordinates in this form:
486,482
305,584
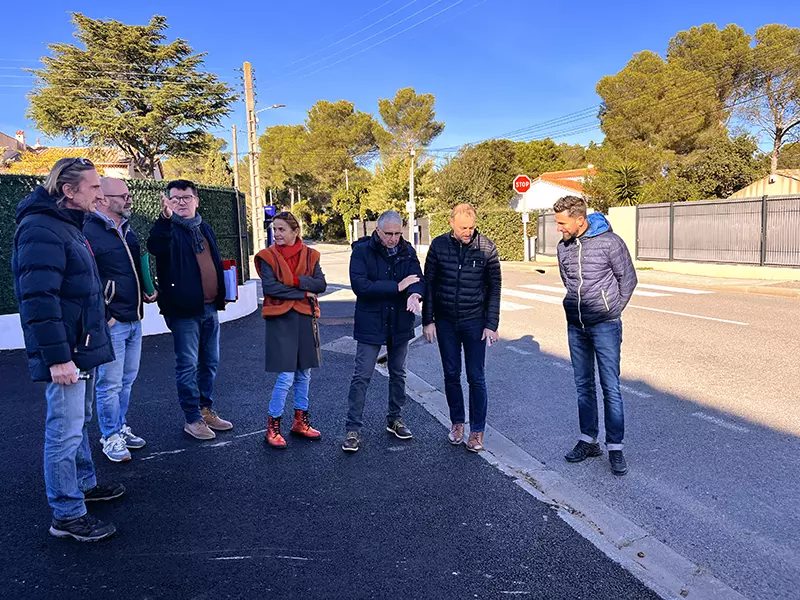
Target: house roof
105,156
787,182
571,179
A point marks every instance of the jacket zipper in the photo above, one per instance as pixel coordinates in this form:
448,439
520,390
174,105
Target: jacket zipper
135,275
605,300
580,280
458,276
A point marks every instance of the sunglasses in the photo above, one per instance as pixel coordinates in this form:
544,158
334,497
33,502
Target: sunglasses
82,161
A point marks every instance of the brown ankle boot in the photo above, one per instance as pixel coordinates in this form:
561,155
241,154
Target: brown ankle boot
274,437
302,427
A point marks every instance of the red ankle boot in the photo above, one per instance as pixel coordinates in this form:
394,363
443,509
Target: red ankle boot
302,427
274,437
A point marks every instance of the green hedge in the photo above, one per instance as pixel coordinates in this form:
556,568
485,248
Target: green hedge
503,227
216,205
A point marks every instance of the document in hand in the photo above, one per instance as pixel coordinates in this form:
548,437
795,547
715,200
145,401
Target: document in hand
231,283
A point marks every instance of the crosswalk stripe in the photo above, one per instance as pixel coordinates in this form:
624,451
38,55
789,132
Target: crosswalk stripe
560,290
531,296
677,290
505,305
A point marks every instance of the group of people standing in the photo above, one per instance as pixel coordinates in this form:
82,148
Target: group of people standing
81,289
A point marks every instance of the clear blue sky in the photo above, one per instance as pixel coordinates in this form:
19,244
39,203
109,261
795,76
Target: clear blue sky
493,65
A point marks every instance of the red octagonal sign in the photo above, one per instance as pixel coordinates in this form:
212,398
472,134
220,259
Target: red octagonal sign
522,183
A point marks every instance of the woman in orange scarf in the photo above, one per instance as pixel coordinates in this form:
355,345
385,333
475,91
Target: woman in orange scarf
291,278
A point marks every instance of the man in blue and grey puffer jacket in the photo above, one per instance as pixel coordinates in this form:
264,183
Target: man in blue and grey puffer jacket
597,270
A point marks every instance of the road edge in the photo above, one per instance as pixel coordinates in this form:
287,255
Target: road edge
665,571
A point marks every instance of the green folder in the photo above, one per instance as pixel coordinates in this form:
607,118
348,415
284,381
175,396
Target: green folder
147,280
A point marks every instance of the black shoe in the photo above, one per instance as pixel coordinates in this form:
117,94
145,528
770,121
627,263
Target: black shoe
84,529
399,428
350,443
104,492
619,465
582,451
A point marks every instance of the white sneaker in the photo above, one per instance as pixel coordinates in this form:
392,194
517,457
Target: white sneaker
132,440
115,449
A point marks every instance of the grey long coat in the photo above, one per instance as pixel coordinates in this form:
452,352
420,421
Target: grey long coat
290,340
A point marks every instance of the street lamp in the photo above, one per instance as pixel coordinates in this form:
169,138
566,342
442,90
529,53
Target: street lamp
269,108
255,174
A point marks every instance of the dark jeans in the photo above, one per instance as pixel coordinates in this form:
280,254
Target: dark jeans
602,341
452,337
366,357
196,342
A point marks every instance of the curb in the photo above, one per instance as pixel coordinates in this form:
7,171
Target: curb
666,572
763,290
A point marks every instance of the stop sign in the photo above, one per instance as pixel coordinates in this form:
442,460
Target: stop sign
522,183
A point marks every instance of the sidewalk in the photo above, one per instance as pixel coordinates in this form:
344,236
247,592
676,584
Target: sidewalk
787,289
233,519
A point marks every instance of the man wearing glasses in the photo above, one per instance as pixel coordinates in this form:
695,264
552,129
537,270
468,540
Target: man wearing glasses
386,278
191,291
118,256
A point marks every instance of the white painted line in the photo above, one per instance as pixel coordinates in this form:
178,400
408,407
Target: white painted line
252,433
531,296
232,558
677,290
338,295
292,558
518,351
154,454
562,291
680,314
721,422
629,390
561,365
511,306
217,445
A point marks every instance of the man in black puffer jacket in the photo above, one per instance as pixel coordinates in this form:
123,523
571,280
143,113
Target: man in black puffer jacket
387,280
118,255
597,270
63,317
462,309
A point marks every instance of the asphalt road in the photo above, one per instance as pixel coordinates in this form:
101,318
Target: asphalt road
711,389
233,519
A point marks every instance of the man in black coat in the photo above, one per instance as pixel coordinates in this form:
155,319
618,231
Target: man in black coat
191,290
386,278
462,309
118,255
63,315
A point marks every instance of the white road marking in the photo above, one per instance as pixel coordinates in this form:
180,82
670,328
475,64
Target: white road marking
518,351
511,306
721,422
629,390
338,295
251,433
154,454
232,558
680,314
677,290
217,445
531,296
561,290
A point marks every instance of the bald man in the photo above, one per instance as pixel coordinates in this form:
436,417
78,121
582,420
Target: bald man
117,252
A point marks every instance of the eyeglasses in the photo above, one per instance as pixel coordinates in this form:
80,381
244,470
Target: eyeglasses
391,233
181,199
82,161
125,197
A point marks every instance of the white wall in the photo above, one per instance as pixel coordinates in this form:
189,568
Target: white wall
541,196
11,331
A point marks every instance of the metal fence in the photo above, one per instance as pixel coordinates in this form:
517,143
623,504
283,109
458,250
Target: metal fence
547,234
753,231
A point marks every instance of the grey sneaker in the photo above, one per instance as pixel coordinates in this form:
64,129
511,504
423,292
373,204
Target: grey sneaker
350,443
399,429
132,441
199,430
114,448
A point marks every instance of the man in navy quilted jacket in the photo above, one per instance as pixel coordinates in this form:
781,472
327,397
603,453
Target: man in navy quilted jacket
597,270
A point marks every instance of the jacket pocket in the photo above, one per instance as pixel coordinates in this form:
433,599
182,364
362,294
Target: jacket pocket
605,300
110,291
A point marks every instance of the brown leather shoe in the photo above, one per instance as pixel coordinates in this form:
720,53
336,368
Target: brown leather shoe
199,430
475,443
301,426
456,435
214,421
273,438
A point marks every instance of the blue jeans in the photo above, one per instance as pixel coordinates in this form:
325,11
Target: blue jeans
452,338
115,379
603,342
366,357
301,378
196,342
68,466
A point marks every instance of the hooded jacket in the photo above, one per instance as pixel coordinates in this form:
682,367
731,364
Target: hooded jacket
598,272
61,305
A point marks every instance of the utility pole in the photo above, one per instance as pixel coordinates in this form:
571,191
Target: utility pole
235,158
252,151
411,206
346,182
291,198
271,203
